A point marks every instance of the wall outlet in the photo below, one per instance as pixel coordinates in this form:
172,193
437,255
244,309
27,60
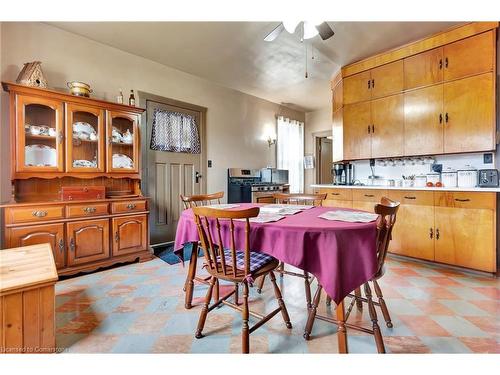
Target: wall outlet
210,164
488,158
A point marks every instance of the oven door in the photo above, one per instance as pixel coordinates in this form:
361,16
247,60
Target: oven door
239,193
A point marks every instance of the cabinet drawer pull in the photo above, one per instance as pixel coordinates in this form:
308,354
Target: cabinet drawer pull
131,206
462,200
72,244
61,245
440,64
446,62
39,213
437,233
369,84
373,83
335,193
369,195
431,233
89,210
409,197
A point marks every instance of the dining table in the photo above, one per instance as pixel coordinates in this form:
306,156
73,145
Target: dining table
341,255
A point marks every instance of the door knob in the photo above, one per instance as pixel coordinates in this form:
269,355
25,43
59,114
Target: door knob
197,177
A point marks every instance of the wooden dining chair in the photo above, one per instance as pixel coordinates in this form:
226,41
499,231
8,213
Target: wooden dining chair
191,278
239,266
387,210
306,199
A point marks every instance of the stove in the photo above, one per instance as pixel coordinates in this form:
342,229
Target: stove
246,186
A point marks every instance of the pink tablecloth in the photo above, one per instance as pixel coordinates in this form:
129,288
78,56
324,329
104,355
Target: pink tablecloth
341,255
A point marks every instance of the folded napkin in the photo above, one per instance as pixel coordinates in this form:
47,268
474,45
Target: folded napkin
264,218
289,206
349,216
223,206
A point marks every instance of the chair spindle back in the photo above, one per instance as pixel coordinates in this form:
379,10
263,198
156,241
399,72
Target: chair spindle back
387,210
201,200
306,199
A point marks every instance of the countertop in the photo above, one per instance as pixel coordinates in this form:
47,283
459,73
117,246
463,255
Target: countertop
476,189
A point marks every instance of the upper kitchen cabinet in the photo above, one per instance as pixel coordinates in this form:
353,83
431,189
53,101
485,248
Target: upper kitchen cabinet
387,80
423,69
357,88
357,131
469,56
387,118
39,134
469,114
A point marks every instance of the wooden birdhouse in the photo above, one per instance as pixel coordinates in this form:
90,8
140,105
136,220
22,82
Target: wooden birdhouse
32,75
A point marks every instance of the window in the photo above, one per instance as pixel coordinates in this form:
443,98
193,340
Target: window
290,152
174,132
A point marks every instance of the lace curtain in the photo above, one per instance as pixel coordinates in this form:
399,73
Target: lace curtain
290,152
174,132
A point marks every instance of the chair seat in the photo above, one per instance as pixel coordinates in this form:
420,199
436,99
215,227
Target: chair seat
257,259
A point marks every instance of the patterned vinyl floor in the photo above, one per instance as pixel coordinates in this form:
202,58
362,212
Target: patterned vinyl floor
139,308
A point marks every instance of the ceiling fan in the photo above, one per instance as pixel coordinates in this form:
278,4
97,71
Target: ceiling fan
308,30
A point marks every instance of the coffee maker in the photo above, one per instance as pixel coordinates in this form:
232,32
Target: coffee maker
343,173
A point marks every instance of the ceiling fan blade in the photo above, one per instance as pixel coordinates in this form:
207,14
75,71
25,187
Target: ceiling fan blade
324,30
275,33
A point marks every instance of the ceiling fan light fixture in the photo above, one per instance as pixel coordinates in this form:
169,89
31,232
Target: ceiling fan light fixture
291,26
310,30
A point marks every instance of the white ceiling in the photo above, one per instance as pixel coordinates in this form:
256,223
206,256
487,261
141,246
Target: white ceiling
235,55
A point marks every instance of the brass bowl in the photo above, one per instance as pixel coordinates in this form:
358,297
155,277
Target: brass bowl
79,88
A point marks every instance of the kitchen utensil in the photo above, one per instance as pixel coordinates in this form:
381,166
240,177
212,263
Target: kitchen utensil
467,177
433,177
79,88
420,180
408,183
449,177
488,178
40,155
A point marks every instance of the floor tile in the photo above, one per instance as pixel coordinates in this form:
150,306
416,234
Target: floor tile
459,327
445,345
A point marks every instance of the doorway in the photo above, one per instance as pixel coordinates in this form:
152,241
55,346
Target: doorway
324,155
168,174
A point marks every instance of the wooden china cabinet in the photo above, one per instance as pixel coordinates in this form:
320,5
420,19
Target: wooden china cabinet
60,140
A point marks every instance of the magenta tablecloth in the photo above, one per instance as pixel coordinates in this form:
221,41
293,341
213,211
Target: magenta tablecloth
341,255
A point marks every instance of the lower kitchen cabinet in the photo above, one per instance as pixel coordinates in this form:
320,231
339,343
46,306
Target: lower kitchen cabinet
129,234
36,234
88,241
364,206
466,237
337,203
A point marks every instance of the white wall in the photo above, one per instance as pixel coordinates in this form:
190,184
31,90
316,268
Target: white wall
236,122
317,121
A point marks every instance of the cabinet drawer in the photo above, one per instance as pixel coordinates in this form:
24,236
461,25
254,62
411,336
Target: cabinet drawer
128,206
464,199
368,195
337,194
337,203
33,214
90,209
420,198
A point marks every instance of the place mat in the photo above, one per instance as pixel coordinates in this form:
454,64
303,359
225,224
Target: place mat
289,206
264,218
223,206
349,216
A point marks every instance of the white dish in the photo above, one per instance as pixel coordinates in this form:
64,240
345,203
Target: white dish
81,163
40,155
83,127
122,161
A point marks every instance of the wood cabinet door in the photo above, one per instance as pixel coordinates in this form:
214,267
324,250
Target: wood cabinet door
337,203
357,88
39,134
129,234
469,56
387,126
364,206
38,234
387,79
469,106
357,131
88,241
119,126
466,237
423,69
80,145
338,96
413,233
338,136
423,121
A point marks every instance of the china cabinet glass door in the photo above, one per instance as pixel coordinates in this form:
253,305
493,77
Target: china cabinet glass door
85,138
123,141
40,135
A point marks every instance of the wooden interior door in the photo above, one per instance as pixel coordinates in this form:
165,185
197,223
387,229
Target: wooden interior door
469,56
469,106
423,69
88,241
424,121
357,88
129,234
387,79
38,234
80,146
413,233
466,237
357,131
388,126
170,174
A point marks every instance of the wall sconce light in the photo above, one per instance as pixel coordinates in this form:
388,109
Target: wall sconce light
271,141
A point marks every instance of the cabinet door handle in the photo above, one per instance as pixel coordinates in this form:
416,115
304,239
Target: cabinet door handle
61,245
335,193
369,195
440,118
446,62
437,233
89,210
72,244
462,200
440,64
39,213
117,237
431,233
446,117
410,197
373,129
373,83
60,137
369,84
369,129
130,206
